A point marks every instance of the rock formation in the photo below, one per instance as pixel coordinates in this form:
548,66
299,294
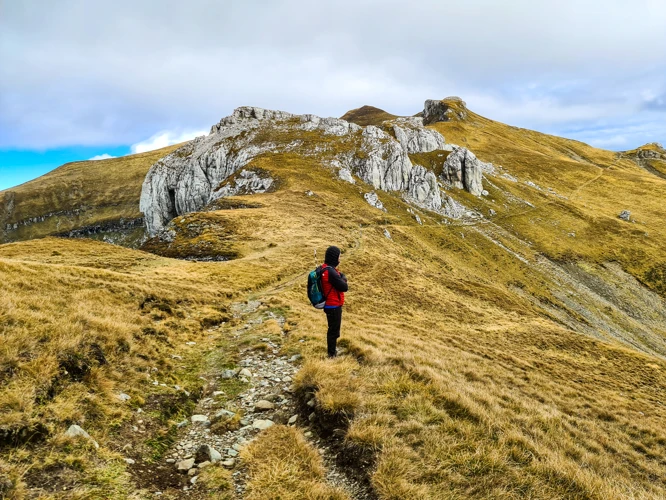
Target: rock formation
217,165
413,137
463,170
451,108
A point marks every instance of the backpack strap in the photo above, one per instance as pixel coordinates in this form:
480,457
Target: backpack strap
324,268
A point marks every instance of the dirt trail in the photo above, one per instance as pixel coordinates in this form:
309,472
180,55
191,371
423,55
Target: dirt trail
265,400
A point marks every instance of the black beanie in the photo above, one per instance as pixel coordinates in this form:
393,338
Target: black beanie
332,257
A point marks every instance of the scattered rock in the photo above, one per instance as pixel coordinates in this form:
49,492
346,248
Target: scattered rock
373,200
130,461
262,424
387,234
245,373
124,397
292,419
263,405
227,374
75,431
199,418
346,175
194,479
185,465
492,212
206,453
224,414
203,465
625,215
229,463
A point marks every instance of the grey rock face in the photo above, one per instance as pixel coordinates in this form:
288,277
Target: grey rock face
440,111
423,189
463,170
247,182
203,170
413,137
384,163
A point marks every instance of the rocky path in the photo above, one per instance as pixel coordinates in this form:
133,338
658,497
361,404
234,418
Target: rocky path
219,428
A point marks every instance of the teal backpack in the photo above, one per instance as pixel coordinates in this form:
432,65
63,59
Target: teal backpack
315,288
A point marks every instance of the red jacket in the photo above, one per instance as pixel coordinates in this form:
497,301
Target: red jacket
334,286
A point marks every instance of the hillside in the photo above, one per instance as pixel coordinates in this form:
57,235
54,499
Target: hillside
89,198
504,344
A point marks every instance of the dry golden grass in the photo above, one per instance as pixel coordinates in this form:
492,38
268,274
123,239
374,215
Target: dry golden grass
284,466
454,380
367,115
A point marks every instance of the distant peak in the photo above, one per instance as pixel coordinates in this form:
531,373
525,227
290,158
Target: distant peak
651,150
367,115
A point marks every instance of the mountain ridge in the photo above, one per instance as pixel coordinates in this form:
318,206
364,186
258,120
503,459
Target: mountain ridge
518,350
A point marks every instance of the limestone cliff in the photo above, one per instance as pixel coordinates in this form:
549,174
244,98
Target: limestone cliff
197,174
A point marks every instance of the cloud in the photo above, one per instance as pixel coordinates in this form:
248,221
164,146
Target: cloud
657,103
104,156
173,65
164,139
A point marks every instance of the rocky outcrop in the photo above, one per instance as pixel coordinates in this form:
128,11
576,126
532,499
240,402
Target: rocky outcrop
217,165
625,215
191,177
463,170
414,138
451,108
424,189
246,182
374,201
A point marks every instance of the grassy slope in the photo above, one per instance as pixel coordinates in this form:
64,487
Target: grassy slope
99,191
454,383
596,185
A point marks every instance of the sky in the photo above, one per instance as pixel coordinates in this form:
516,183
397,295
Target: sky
82,79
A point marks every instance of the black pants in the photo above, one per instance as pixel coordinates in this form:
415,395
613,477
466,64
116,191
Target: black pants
334,318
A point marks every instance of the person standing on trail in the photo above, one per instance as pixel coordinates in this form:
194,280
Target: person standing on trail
334,284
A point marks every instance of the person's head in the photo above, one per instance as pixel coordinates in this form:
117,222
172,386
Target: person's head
332,257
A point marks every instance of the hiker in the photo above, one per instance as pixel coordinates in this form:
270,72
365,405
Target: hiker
334,284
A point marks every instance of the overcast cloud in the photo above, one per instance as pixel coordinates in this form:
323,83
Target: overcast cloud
129,72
